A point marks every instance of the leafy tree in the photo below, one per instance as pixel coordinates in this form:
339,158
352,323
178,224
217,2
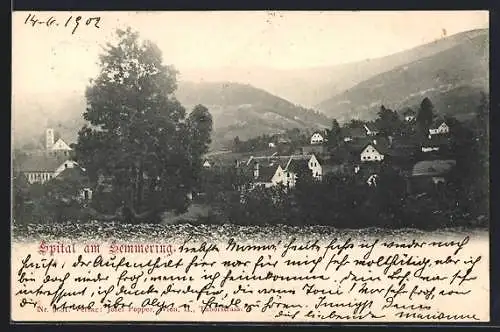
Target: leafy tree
355,123
199,128
388,121
334,134
137,133
425,115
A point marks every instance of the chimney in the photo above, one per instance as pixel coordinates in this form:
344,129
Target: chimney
49,138
256,170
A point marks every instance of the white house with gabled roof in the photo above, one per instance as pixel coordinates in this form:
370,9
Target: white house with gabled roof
439,128
371,153
317,138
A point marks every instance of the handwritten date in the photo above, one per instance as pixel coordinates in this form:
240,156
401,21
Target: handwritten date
72,22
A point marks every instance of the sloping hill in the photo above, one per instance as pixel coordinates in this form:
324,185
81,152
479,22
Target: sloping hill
311,86
459,72
245,111
238,110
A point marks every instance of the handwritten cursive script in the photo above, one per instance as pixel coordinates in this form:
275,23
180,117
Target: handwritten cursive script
337,279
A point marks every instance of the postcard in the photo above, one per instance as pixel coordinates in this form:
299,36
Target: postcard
260,166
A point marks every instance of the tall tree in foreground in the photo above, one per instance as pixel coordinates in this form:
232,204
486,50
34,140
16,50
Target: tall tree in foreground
137,133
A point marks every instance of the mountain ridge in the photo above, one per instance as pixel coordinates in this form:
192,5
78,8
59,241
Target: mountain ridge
311,86
464,65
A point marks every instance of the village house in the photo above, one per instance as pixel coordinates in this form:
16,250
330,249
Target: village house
42,168
439,127
267,175
305,163
317,138
371,152
273,170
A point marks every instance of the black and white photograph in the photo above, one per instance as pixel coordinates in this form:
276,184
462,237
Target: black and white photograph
250,166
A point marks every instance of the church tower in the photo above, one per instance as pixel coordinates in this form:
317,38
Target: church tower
49,138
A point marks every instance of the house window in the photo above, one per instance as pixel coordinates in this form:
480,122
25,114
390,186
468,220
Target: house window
65,165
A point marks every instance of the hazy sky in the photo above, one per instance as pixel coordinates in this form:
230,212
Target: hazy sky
52,60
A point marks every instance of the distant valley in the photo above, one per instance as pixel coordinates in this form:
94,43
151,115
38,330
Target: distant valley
237,110
245,111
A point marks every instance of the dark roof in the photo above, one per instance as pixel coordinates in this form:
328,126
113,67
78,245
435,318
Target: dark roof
301,157
226,158
41,163
432,167
437,122
281,160
358,144
342,152
297,165
73,174
409,112
269,161
266,173
353,132
371,126
401,151
381,145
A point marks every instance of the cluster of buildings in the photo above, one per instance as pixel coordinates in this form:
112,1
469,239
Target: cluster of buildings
360,154
52,162
423,162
